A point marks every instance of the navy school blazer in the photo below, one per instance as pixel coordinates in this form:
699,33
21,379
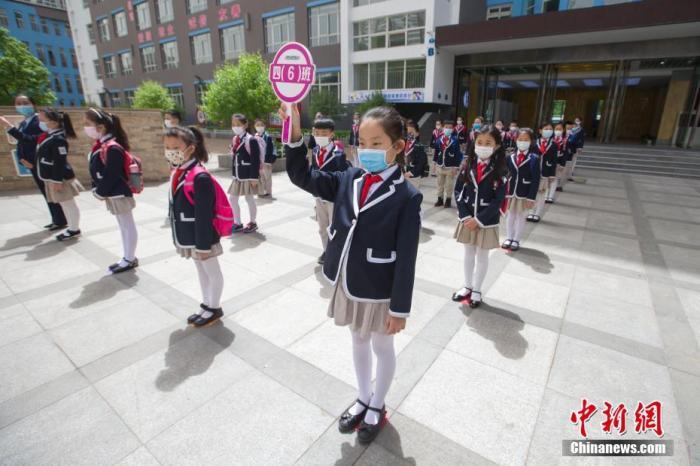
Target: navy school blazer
451,157
51,155
480,200
334,160
524,178
354,139
416,160
270,152
109,179
246,166
192,225
27,134
548,158
375,246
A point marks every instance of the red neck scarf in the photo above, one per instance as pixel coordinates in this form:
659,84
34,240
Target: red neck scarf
521,158
444,142
236,143
543,145
480,169
366,184
321,156
409,146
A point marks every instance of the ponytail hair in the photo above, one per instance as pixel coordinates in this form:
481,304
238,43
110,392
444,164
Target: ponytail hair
62,119
192,136
112,124
393,125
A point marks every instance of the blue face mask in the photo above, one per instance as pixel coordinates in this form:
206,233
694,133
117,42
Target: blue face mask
43,126
26,110
477,126
372,160
447,132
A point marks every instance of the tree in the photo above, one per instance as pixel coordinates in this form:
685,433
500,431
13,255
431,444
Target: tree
240,88
375,100
327,103
22,73
152,94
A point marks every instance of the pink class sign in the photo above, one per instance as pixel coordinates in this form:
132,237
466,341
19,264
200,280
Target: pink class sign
292,73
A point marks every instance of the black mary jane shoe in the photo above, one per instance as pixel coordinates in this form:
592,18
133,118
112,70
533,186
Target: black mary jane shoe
129,265
68,234
193,317
54,227
536,218
113,266
366,433
202,321
475,302
349,422
514,246
549,200
530,218
461,294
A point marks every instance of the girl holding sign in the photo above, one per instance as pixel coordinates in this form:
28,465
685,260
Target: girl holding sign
371,253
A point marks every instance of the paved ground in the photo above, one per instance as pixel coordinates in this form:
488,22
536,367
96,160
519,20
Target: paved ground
603,303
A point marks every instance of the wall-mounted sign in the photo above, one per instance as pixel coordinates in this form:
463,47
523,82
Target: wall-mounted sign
398,95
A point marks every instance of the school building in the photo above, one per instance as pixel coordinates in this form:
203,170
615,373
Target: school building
180,43
43,27
630,69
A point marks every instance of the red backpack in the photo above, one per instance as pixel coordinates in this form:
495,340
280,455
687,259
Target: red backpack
223,213
133,171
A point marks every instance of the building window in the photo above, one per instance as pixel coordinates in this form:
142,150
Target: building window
69,84
73,58
201,48
41,53
549,6
66,26
148,58
57,28
366,2
165,11
62,56
103,27
115,98
327,82
3,18
401,74
530,7
194,6
389,31
91,34
33,24
323,24
199,90
232,42
44,25
19,20
143,16
171,57
498,12
120,27
558,109
110,67
129,97
52,57
176,93
79,85
98,71
278,30
127,63
57,85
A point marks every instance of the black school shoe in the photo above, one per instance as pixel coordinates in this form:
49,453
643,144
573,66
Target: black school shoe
201,321
322,258
368,432
475,302
68,234
549,200
349,422
448,203
129,265
54,227
193,317
559,189
439,202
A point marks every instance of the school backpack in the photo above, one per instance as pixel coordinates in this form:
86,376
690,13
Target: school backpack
223,213
133,170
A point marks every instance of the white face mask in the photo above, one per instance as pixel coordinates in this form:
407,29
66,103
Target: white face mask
322,141
578,122
558,133
238,130
176,157
168,123
513,128
483,152
547,133
523,146
355,121
260,129
91,132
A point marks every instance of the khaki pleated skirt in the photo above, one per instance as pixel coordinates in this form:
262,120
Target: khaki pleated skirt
485,238
71,188
362,317
517,205
187,253
245,188
120,205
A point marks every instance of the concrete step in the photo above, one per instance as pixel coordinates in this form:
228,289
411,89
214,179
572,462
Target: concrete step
641,160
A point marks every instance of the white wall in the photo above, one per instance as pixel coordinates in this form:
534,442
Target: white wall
439,68
79,18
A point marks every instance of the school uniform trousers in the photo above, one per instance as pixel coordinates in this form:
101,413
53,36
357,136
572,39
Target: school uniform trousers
26,135
448,158
268,161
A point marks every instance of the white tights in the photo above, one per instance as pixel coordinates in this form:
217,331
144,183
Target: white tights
539,204
515,224
211,280
130,236
480,256
70,208
553,183
252,208
383,346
